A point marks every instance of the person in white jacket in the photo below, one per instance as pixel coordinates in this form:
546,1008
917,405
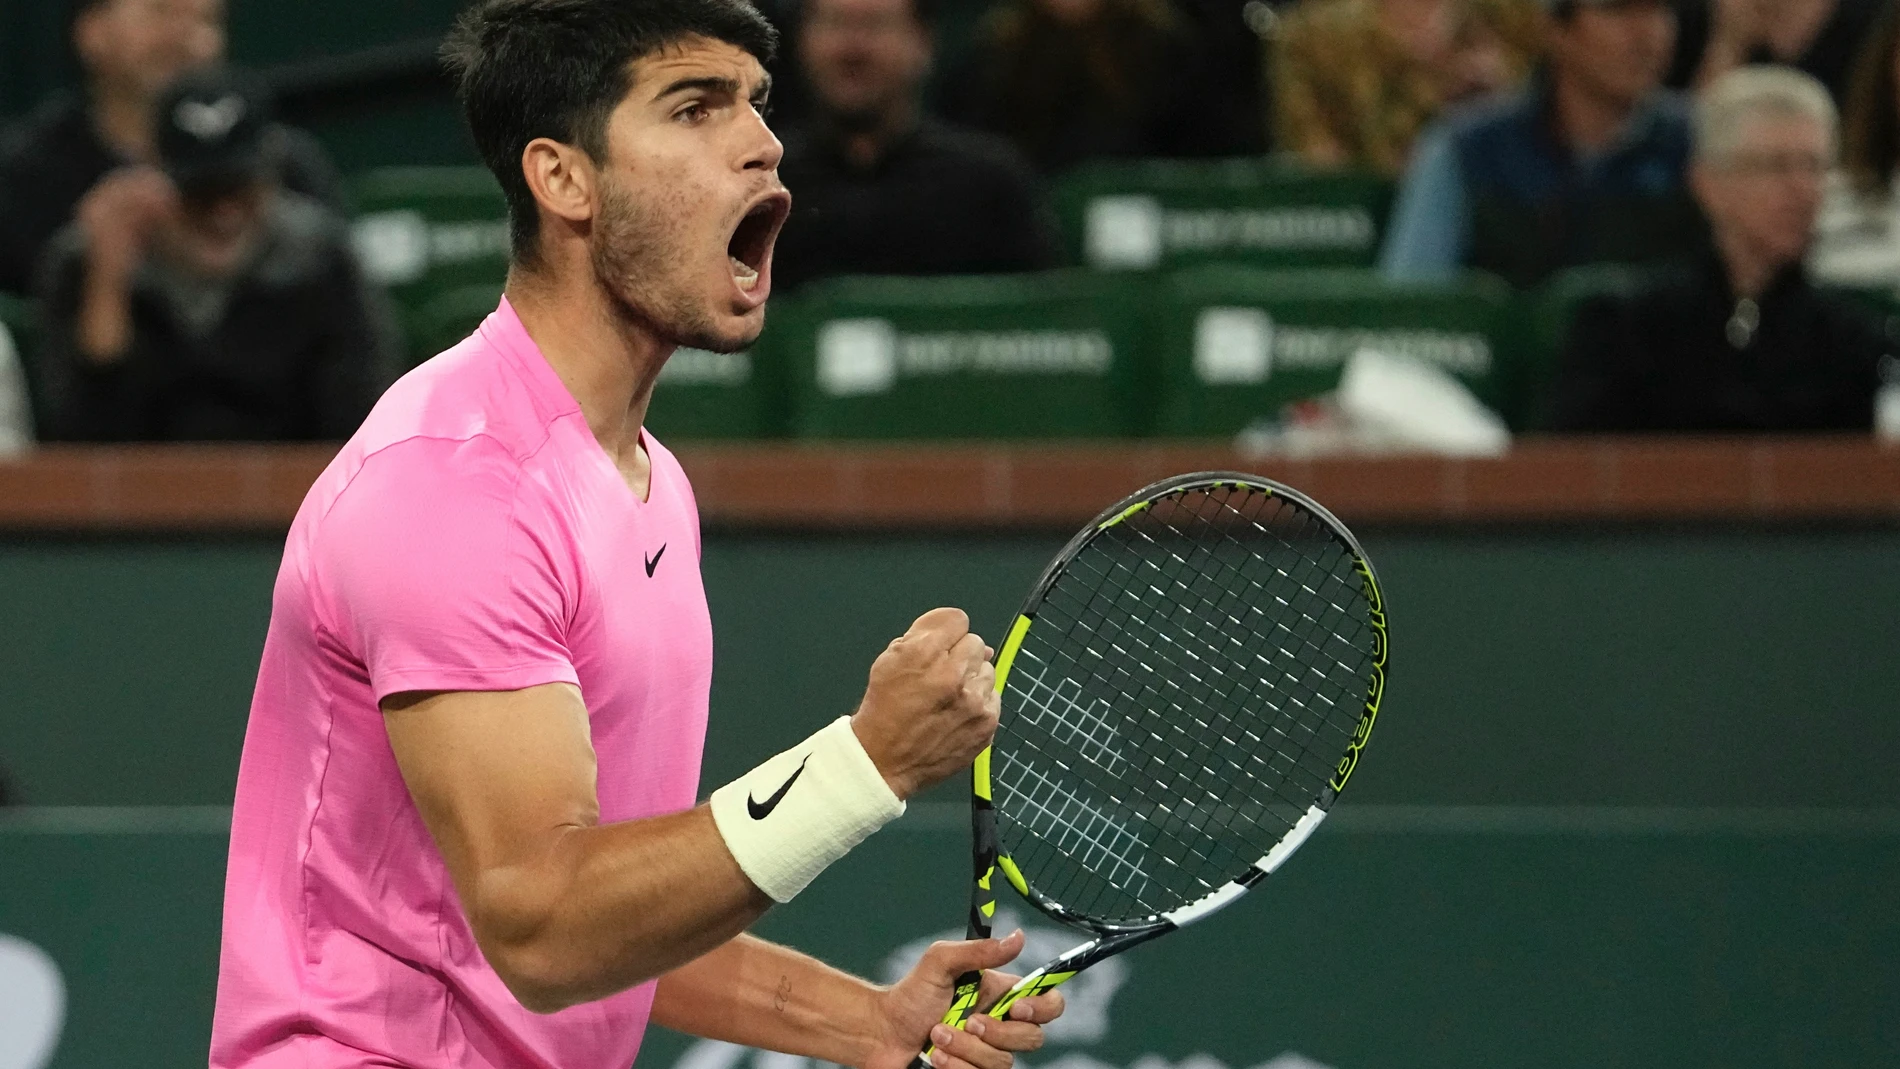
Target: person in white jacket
16,415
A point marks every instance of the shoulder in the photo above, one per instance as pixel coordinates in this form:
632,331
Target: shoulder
307,167
1671,119
308,241
1492,120
470,402
55,124
974,153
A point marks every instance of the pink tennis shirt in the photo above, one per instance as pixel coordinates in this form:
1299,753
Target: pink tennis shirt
472,536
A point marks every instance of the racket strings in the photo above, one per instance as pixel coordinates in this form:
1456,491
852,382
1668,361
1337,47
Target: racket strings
1193,677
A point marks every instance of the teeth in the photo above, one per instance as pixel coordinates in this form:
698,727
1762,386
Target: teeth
745,276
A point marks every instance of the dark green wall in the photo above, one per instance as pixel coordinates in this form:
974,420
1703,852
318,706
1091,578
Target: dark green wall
1478,900
1621,944
1724,668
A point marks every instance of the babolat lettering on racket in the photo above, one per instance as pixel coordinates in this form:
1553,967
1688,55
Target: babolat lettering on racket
1185,693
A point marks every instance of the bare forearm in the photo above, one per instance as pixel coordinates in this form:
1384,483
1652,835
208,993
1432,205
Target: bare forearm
763,995
612,906
103,331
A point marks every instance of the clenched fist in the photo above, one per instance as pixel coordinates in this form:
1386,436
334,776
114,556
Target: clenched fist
932,704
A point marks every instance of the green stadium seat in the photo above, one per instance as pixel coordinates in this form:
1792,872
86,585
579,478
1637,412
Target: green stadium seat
427,232
1024,356
725,395
451,315
1164,214
1236,345
1545,330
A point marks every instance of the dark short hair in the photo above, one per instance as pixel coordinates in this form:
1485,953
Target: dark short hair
557,69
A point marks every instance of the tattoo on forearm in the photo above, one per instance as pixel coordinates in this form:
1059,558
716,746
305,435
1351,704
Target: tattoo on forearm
783,996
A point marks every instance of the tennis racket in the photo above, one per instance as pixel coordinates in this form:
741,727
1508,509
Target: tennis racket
1185,693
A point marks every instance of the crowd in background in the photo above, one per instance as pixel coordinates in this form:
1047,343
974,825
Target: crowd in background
194,277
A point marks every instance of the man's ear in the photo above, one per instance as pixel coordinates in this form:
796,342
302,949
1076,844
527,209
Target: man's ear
562,178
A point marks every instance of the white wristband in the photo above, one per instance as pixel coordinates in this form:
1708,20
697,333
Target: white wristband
787,820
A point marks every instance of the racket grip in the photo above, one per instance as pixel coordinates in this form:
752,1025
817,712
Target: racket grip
962,1008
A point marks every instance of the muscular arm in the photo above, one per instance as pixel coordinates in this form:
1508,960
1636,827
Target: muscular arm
566,910
758,994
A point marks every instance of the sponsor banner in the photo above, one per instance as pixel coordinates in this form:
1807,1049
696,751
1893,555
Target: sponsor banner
1245,346
1135,232
857,357
401,247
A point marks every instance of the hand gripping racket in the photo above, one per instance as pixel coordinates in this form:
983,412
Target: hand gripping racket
1185,693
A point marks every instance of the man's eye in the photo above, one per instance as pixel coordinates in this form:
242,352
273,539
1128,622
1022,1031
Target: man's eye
692,114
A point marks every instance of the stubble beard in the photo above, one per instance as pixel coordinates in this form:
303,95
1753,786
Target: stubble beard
639,263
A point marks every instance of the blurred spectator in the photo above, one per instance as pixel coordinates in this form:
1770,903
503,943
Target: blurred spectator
1356,80
1228,75
1859,239
204,301
1821,37
879,188
1585,165
16,417
1074,80
130,50
1737,339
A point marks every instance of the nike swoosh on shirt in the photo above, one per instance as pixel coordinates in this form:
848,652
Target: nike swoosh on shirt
654,561
761,810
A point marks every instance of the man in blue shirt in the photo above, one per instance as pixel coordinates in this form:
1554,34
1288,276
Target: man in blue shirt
1584,165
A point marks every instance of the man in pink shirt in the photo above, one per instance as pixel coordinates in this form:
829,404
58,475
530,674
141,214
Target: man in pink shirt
465,832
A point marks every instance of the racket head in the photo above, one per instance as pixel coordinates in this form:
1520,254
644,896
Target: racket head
1185,692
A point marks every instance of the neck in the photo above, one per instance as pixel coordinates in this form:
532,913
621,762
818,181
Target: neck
1750,270
1796,25
606,358
865,144
123,118
1587,121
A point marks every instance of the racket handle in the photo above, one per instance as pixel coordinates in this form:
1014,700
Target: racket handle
962,1008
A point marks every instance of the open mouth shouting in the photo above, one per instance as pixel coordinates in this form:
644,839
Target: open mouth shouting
749,251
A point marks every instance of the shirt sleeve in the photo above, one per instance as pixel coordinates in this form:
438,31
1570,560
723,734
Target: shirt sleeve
440,568
1431,222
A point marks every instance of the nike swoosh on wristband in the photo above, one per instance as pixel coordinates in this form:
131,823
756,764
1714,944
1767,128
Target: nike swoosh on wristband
761,810
654,561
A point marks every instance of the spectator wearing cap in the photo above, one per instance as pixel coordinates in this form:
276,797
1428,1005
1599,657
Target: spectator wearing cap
1736,339
207,302
129,51
881,188
1584,165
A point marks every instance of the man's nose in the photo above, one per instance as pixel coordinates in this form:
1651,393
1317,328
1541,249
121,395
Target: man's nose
766,151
